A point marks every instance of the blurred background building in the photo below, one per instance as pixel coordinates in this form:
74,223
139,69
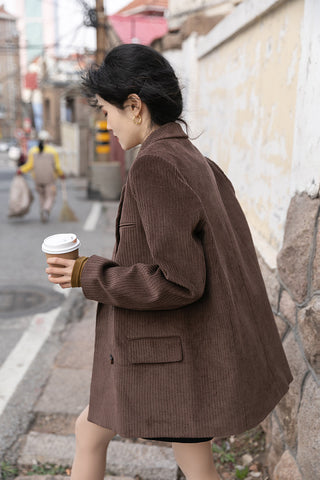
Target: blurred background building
10,88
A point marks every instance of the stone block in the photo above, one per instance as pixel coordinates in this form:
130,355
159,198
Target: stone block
148,461
308,453
293,258
309,328
271,282
287,409
43,477
281,325
275,445
123,458
48,448
288,307
266,424
63,477
57,423
316,264
67,391
77,350
75,356
287,468
112,477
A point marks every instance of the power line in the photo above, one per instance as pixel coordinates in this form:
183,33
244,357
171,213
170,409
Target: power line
41,46
43,49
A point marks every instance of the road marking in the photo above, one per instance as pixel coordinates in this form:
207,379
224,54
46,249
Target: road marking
23,354
93,217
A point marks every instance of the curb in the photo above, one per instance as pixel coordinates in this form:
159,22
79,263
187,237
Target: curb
19,414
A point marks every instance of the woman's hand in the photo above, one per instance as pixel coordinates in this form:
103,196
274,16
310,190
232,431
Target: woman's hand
60,270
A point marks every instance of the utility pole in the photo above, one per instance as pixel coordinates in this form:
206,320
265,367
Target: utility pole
101,32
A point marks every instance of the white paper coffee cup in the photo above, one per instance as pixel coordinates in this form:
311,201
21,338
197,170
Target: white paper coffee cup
60,243
64,245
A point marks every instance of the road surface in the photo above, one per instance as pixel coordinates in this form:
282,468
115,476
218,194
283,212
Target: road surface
29,305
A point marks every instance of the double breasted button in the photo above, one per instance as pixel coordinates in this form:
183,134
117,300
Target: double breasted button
111,359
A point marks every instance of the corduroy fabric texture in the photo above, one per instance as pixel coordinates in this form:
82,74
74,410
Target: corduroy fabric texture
186,343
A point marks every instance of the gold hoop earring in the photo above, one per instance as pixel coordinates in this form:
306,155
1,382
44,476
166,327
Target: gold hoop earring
137,120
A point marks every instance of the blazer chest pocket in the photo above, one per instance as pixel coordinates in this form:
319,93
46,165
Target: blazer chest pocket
155,350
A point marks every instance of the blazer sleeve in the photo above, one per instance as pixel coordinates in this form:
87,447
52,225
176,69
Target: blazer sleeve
171,216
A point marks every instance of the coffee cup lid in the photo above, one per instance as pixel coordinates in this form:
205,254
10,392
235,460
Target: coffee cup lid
60,243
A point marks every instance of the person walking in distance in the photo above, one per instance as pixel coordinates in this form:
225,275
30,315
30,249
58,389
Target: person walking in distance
186,344
43,161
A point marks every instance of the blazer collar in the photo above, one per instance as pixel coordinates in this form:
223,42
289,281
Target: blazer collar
164,132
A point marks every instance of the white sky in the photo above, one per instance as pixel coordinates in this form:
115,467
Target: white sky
111,6
73,36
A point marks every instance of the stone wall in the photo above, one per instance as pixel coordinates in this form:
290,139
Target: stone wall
252,96
293,428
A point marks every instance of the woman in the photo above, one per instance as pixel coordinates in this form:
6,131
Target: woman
44,162
186,344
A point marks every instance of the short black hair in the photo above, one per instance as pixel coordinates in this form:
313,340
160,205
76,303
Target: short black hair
134,68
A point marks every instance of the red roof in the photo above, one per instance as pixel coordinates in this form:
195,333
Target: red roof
5,14
139,28
143,7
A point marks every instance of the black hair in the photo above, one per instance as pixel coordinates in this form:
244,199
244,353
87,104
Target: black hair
134,68
41,146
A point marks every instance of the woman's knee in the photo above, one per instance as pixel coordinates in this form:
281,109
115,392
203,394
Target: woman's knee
89,435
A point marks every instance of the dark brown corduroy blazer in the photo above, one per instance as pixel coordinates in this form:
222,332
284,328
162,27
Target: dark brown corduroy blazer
186,343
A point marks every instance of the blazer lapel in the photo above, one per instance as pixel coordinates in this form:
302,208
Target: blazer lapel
118,218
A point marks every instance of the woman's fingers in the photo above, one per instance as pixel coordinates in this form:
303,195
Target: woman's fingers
60,270
63,280
64,262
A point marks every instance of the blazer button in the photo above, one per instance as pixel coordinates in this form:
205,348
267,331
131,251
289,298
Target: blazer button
111,359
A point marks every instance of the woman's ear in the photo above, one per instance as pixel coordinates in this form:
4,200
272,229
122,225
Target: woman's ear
134,102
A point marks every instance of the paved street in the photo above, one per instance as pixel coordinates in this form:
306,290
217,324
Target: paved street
46,345
33,313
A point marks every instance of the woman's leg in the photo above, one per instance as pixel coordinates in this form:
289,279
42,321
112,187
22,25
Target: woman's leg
91,449
195,460
50,195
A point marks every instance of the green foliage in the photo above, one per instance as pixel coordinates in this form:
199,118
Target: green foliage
242,473
7,470
47,469
223,453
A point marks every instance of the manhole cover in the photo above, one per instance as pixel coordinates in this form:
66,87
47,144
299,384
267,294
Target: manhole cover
17,301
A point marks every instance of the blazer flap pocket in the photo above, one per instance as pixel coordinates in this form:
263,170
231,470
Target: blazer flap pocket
155,350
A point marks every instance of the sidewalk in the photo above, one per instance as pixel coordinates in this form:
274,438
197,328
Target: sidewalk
50,439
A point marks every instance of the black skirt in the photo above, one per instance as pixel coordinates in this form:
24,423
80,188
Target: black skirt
181,440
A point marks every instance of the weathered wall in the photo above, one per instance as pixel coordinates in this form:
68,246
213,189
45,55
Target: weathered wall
247,106
252,89
179,11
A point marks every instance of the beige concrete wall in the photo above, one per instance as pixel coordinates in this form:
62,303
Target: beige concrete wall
179,11
246,109
252,87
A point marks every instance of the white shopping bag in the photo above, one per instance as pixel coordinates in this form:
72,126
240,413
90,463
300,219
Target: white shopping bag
20,198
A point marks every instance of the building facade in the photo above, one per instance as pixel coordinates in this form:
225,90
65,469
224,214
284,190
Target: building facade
181,11
10,89
252,102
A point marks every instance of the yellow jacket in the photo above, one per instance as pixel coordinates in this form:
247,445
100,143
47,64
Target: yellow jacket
29,165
